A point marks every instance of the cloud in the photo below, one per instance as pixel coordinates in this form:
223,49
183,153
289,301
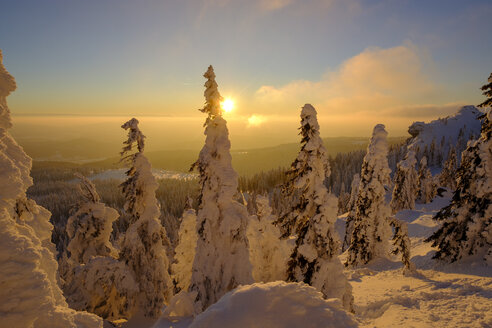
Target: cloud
256,120
377,81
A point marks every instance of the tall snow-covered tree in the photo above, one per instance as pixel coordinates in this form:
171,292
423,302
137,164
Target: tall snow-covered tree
343,200
29,293
143,247
185,251
371,232
267,252
405,181
314,259
447,178
93,279
222,257
426,186
467,221
487,92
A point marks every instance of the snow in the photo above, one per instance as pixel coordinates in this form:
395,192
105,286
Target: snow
29,292
275,304
222,254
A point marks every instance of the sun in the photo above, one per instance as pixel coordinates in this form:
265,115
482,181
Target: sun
227,105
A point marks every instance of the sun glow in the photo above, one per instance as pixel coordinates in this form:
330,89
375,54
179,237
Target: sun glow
227,105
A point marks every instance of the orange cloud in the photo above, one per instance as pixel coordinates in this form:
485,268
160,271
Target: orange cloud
376,81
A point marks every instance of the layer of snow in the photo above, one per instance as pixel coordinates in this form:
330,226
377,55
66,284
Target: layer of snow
276,304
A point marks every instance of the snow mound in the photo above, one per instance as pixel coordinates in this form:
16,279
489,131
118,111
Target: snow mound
275,304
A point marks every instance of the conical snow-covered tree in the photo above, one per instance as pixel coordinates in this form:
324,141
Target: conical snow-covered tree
370,237
405,189
222,256
467,221
94,280
426,186
143,247
267,252
29,293
314,259
487,92
447,178
343,200
185,251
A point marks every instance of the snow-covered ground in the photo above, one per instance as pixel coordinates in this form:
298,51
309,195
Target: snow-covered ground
119,174
438,295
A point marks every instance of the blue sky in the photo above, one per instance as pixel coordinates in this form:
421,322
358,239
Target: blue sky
121,57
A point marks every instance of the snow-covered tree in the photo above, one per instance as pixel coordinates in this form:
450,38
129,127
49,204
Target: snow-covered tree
89,228
426,186
267,252
314,259
447,178
467,221
29,293
93,279
487,92
405,189
185,251
401,243
371,232
143,247
222,256
349,224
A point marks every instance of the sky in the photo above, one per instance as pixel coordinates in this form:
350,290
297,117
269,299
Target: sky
359,62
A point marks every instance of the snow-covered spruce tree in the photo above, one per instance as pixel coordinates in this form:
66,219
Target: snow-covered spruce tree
349,224
467,221
143,247
222,255
185,251
487,92
93,279
405,181
371,232
401,244
267,252
426,186
29,293
89,228
314,259
447,178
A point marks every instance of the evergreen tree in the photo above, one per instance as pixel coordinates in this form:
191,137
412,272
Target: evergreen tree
467,221
314,259
29,293
447,178
401,243
94,280
371,227
405,181
222,257
343,200
143,247
487,92
426,186
268,253
185,251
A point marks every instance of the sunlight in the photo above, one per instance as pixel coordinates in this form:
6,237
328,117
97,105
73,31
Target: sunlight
227,105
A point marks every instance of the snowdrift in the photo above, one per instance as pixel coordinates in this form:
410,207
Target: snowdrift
274,304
